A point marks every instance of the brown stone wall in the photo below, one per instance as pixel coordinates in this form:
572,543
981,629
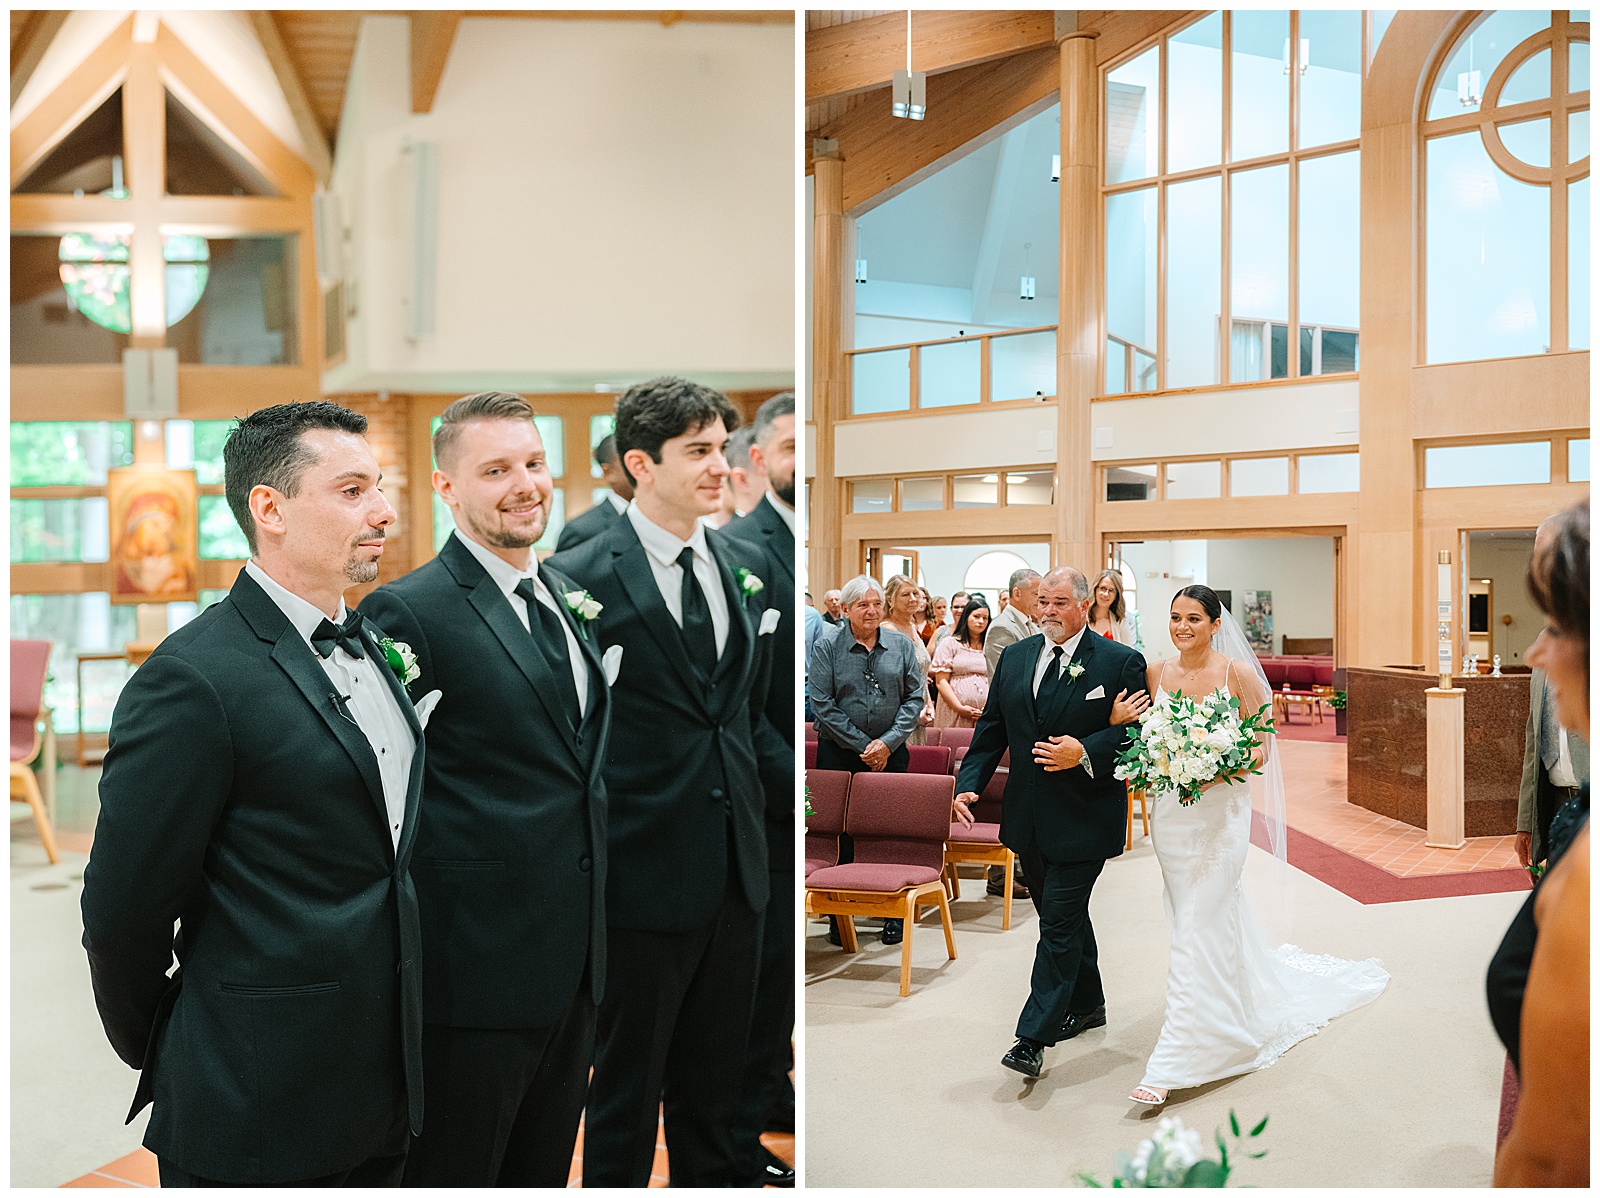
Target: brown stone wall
388,432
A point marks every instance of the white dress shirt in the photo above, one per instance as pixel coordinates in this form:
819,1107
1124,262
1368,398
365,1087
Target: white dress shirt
506,577
662,549
618,502
1068,648
359,680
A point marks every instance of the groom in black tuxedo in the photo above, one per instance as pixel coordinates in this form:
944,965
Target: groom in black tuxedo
510,862
261,791
1064,814
688,866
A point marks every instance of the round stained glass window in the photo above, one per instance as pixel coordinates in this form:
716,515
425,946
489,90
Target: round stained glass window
94,271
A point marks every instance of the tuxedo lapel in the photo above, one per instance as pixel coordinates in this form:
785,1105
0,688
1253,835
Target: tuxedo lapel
1025,680
780,542
638,581
580,632
491,604
1081,656
740,642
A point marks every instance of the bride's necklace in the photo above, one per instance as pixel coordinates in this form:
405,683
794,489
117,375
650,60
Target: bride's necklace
1186,676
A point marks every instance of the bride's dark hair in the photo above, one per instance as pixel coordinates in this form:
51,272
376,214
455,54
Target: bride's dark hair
1205,597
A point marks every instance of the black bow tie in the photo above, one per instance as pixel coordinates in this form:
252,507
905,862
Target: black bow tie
346,635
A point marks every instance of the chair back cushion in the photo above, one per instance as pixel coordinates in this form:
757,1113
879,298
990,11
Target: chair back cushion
811,754
900,819
1276,671
1323,672
830,792
30,661
929,759
1302,674
987,808
811,730
956,738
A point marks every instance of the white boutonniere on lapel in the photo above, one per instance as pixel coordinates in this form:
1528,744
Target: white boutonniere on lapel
585,608
400,659
749,584
1074,670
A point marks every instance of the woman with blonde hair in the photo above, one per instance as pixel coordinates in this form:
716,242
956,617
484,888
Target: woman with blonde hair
1108,610
900,600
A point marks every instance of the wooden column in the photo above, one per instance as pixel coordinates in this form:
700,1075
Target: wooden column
825,570
1447,819
144,126
1078,335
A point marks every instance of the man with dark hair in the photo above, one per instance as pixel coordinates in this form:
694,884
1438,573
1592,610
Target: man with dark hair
606,512
688,859
261,792
511,852
767,532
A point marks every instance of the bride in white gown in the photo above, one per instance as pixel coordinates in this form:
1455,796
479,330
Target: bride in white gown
1233,1003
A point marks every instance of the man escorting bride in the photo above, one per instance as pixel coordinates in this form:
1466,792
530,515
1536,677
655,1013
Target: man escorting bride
1233,1004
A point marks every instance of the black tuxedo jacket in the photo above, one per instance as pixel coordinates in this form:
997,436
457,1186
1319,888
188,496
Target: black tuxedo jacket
682,781
239,801
1068,815
766,539
510,863
587,525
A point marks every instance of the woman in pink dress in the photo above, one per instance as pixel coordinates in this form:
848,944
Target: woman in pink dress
959,671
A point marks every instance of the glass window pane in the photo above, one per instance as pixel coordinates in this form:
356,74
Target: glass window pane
598,496
1530,81
600,427
1528,140
1578,264
1260,274
1130,482
1320,473
1578,136
1132,120
1489,289
74,624
1194,95
1578,67
1194,480
1459,87
1023,366
977,490
199,163
881,382
1194,281
231,300
921,494
1578,460
551,432
951,373
1260,84
55,453
1330,250
60,530
1330,85
1258,476
871,495
88,161
1030,488
1131,295
1380,26
197,445
50,322
221,539
1487,465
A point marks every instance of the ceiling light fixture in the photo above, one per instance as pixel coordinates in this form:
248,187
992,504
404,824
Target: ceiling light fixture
910,87
1028,289
1055,168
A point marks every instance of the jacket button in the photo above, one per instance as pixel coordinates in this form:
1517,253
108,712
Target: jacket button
583,864
717,793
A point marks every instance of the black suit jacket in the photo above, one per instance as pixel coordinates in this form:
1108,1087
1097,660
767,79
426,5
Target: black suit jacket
683,786
587,525
767,539
1068,815
238,801
510,862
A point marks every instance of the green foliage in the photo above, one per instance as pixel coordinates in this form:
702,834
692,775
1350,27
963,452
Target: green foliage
221,538
1171,1159
58,453
1337,700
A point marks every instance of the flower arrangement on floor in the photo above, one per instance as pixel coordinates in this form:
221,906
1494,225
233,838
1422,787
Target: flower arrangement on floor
1171,1158
1185,744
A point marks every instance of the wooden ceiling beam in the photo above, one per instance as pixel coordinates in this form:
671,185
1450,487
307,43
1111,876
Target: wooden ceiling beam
432,34
842,60
31,44
318,156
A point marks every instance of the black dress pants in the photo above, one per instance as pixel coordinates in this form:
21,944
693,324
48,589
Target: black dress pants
1066,969
374,1171
766,1087
501,1105
673,1030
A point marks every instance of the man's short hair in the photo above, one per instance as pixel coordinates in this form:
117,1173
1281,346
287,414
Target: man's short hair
781,404
737,450
606,451
1018,577
265,449
858,587
485,405
651,414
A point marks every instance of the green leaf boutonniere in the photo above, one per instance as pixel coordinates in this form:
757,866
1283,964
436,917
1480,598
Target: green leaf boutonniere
400,659
1075,669
585,608
749,584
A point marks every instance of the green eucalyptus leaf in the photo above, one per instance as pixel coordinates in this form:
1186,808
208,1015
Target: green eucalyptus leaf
1205,1175
1233,1122
1260,1127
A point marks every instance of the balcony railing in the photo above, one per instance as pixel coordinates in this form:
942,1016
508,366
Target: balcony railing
954,372
1129,367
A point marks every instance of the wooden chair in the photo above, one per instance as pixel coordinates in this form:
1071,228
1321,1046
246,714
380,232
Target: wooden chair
898,823
29,665
1138,796
929,759
980,844
829,795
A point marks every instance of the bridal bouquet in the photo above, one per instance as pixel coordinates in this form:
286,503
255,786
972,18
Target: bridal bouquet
1185,743
1171,1158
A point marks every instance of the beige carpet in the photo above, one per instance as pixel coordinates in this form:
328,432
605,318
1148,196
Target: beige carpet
910,1092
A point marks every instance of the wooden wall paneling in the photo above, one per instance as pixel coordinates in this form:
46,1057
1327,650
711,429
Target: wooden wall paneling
84,90
1500,396
1245,515
827,566
38,31
294,91
144,148
842,60
66,393
1119,31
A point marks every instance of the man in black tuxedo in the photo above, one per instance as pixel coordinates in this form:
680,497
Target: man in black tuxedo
511,853
688,865
1050,702
768,533
261,790
602,515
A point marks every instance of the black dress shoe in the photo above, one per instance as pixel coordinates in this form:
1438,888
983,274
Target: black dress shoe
1073,1025
1026,1056
773,1172
893,931
998,889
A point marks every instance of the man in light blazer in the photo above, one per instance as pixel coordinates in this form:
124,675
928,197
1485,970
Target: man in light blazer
1015,622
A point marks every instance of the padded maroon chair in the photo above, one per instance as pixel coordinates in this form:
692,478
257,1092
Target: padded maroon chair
1322,673
929,759
1277,671
898,823
811,730
1301,675
811,754
30,664
980,844
829,793
956,737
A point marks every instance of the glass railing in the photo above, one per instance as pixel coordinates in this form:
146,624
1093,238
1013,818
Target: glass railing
954,372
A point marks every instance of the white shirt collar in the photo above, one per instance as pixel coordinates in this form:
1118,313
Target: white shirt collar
505,575
304,615
783,509
1069,646
665,546
617,501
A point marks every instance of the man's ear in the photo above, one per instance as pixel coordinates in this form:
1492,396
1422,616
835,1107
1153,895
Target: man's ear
639,466
445,488
266,508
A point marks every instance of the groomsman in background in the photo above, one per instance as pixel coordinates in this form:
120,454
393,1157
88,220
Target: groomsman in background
688,864
609,510
511,849
745,473
767,533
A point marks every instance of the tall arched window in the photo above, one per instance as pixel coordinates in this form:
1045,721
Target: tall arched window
1506,147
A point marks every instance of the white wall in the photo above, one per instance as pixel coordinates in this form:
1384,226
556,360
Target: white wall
1293,416
616,200
1506,563
944,567
1004,437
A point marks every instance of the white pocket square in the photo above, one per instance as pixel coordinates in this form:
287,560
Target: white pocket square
769,621
1098,692
425,706
611,662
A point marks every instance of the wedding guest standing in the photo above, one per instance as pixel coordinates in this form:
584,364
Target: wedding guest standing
606,513
957,602
1015,621
687,872
1108,611
260,792
938,616
511,851
959,671
833,605
900,603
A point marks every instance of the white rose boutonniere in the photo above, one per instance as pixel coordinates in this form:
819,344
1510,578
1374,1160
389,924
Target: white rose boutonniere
585,608
1074,670
400,659
749,584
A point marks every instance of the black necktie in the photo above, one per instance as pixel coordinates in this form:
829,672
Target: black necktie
1052,682
346,635
698,632
552,642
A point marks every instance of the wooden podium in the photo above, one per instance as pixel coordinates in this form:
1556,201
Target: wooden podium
1447,817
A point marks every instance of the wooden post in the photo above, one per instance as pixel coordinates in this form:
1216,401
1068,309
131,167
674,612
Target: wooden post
825,570
1447,818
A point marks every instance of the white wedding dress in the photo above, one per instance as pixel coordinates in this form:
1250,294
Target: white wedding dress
1234,1005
